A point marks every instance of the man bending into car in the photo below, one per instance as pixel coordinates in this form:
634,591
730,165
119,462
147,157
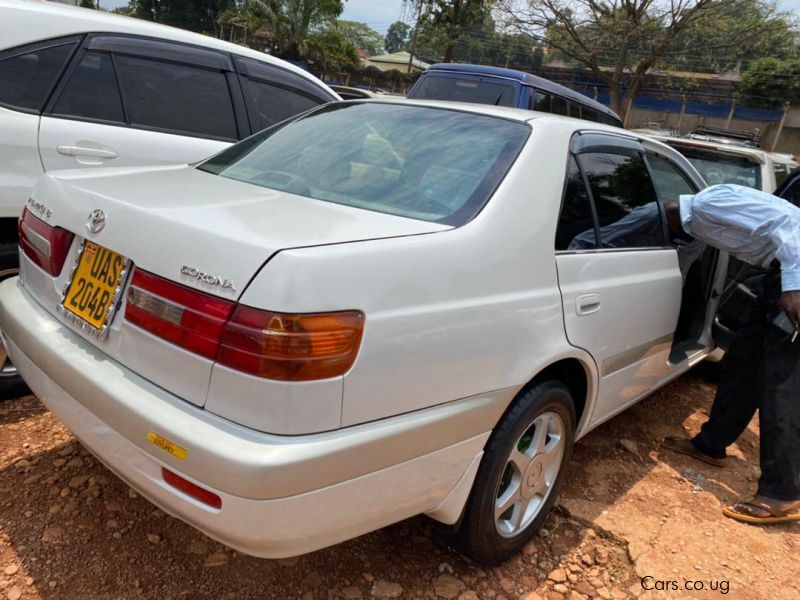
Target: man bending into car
761,369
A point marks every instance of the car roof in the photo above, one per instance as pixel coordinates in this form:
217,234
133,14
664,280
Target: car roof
525,78
28,21
752,153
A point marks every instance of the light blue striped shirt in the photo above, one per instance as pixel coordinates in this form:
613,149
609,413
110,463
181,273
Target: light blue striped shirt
753,226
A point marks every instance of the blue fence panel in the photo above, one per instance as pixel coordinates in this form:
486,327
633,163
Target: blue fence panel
757,114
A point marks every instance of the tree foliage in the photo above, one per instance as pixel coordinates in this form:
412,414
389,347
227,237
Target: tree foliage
194,15
289,22
331,50
397,37
731,36
449,18
769,82
621,40
361,36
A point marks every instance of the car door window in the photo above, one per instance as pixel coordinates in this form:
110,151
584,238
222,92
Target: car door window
628,211
92,91
575,224
176,98
27,78
670,182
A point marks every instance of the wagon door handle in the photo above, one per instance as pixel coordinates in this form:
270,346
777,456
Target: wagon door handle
588,304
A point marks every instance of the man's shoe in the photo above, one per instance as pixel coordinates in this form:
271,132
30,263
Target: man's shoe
685,446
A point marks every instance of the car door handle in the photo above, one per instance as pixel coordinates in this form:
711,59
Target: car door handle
588,304
87,151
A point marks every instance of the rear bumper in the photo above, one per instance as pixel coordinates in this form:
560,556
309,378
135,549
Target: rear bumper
281,496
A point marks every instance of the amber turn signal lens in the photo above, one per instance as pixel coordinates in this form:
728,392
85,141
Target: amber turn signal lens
291,347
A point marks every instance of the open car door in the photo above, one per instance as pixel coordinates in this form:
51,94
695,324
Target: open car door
743,281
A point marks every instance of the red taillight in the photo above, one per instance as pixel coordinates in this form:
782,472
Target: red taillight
191,489
187,318
286,347
45,245
291,347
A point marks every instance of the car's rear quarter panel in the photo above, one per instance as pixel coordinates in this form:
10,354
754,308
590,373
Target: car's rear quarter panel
448,315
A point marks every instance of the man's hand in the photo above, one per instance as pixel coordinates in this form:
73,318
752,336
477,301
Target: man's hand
789,302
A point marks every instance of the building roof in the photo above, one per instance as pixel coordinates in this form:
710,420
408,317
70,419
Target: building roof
399,58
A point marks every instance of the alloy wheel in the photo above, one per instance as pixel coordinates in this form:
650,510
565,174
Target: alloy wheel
530,473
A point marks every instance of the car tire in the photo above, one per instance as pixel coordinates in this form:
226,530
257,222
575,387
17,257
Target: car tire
521,474
11,384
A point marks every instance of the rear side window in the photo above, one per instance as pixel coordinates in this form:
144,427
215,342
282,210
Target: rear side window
273,104
575,224
590,115
627,208
274,94
27,78
539,101
92,91
176,97
558,106
476,90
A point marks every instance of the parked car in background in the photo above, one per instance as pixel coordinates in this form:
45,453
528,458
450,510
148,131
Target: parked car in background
379,309
83,88
346,92
507,87
729,156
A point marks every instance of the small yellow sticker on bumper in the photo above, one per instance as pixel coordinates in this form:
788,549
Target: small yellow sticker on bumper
166,445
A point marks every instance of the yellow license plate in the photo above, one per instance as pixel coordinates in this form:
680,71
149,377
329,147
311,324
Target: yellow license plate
93,291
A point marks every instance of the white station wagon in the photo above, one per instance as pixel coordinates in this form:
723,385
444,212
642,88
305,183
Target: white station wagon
377,310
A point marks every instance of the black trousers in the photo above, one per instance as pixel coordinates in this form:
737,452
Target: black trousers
761,370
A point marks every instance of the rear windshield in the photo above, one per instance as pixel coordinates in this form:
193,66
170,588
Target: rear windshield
424,163
719,168
465,88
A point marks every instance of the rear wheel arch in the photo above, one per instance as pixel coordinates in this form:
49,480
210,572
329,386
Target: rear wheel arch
577,376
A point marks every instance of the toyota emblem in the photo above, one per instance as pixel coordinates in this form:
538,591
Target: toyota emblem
97,220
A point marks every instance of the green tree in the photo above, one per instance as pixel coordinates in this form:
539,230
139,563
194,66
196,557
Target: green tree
87,4
769,82
618,40
397,37
452,18
736,33
194,15
290,23
332,51
361,35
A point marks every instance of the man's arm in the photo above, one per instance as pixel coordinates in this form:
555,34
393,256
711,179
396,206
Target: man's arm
787,236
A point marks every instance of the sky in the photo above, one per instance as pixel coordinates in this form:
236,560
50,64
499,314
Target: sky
379,14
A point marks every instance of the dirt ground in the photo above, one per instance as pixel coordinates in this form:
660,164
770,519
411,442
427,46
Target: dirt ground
630,515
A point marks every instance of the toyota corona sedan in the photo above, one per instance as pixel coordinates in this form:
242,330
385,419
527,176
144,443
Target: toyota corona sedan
377,310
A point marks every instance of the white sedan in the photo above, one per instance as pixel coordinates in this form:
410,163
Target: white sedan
377,310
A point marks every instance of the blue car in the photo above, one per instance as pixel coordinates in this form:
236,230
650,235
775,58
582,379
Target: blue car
506,87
